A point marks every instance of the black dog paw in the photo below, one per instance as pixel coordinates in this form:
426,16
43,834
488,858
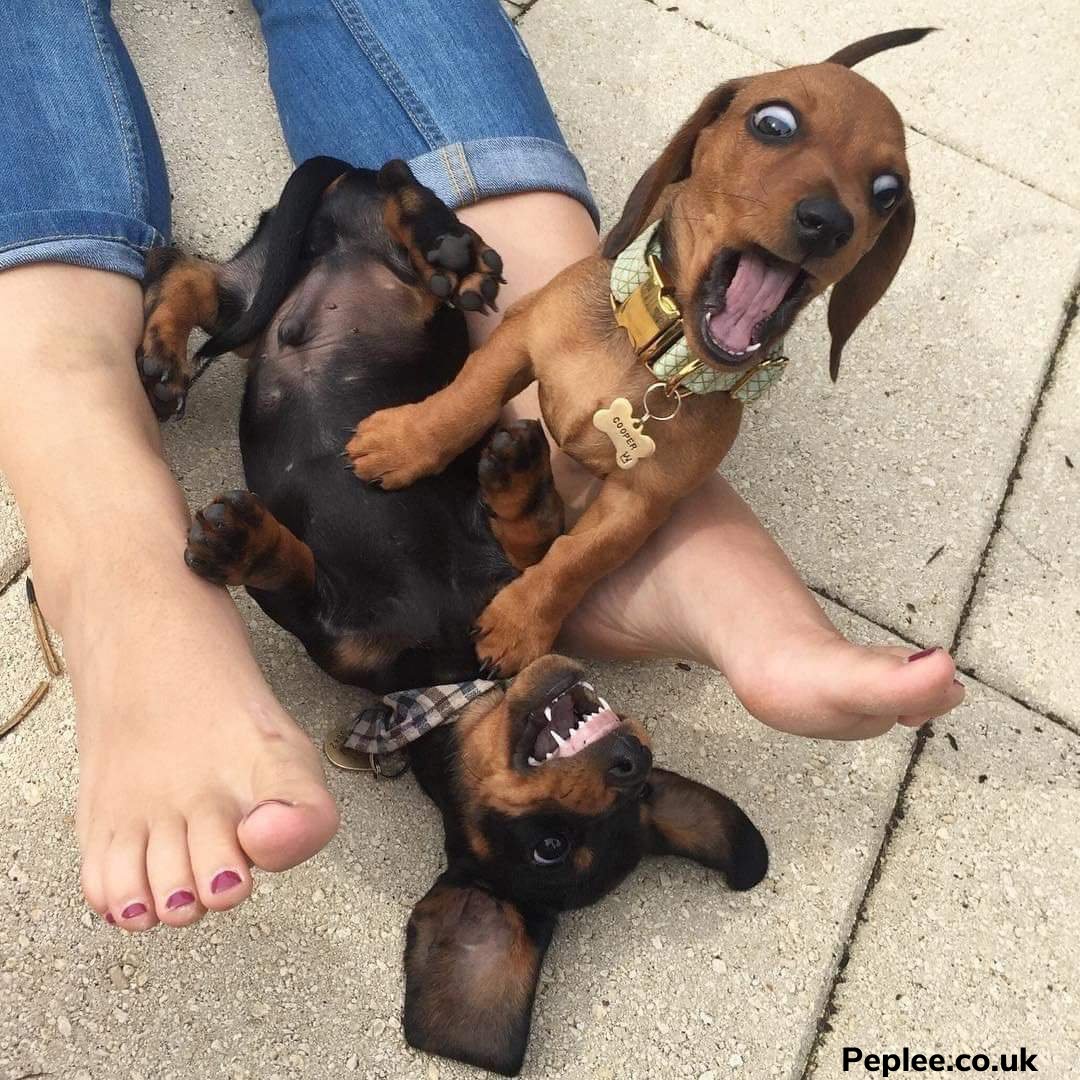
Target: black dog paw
452,260
514,453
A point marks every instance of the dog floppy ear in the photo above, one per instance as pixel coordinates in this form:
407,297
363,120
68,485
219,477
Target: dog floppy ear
855,294
471,965
671,166
683,817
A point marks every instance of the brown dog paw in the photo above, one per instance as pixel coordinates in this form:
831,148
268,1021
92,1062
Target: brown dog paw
452,260
165,370
517,487
237,541
511,633
393,448
181,292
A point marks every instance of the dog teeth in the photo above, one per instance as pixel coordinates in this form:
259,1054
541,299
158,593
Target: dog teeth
533,761
558,738
547,713
603,704
753,348
549,755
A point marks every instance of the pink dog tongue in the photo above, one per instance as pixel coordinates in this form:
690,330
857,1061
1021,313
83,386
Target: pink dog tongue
596,727
754,294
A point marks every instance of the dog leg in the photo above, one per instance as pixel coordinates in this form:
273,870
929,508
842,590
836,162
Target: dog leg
237,541
523,620
181,293
451,259
519,491
393,448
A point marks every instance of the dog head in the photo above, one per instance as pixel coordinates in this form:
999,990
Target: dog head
777,187
554,800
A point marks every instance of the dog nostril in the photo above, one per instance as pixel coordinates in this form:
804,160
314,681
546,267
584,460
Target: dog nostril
629,761
823,226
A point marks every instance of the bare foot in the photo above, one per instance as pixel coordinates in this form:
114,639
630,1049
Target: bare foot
712,586
189,769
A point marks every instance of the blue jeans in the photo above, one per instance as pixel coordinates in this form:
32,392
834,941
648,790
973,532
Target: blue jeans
446,84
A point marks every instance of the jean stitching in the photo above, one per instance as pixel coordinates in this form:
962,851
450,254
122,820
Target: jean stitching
357,24
468,179
139,196
450,173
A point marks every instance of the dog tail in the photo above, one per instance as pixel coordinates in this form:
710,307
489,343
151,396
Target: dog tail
859,51
284,244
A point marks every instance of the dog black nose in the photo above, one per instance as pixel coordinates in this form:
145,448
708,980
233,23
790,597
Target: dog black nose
822,226
630,761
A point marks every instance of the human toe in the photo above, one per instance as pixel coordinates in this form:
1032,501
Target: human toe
172,881
222,876
127,892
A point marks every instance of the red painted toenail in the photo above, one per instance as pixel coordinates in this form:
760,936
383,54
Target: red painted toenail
109,919
133,911
180,898
227,879
922,655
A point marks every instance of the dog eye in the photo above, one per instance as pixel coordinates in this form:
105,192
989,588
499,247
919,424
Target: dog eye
551,850
774,121
886,191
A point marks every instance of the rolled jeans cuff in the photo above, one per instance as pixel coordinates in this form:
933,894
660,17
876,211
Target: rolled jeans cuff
466,172
96,240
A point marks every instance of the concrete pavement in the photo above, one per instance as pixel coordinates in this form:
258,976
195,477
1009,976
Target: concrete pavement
922,890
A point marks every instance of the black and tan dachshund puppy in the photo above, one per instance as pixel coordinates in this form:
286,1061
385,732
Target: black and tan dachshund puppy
348,300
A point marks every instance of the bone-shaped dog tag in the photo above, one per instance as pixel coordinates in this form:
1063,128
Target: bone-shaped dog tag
620,425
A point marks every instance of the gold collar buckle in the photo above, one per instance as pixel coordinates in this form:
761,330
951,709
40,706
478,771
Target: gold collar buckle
767,364
650,314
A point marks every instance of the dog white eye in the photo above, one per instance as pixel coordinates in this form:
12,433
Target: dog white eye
551,850
775,121
886,191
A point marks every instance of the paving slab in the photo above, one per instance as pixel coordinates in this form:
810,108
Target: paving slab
1023,631
214,114
969,942
864,481
672,972
963,85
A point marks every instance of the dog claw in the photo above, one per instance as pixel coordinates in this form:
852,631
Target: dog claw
492,260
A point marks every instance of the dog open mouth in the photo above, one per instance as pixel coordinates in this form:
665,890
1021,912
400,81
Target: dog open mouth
748,298
572,720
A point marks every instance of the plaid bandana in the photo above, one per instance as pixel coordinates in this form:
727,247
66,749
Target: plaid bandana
405,715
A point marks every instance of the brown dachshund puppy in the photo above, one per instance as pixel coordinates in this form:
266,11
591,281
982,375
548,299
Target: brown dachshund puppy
777,187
